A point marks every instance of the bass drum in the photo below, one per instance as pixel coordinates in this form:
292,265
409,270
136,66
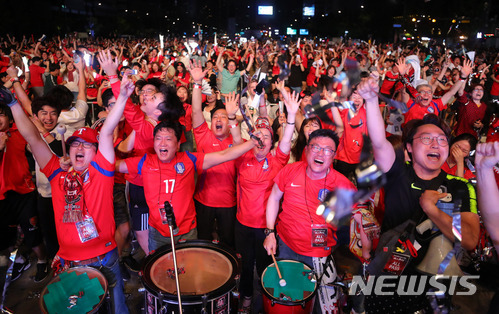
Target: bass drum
208,272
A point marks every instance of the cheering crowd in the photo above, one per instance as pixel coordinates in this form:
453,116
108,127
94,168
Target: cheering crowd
222,132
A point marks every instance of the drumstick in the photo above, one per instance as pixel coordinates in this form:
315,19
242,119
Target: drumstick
282,282
61,129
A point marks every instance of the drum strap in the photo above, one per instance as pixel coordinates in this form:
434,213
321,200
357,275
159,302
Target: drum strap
327,293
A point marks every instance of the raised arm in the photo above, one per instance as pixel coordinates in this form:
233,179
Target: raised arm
28,130
292,105
106,137
465,72
384,153
19,90
220,63
231,106
197,75
82,82
487,155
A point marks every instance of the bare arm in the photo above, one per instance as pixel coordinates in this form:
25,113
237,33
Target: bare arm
20,92
197,75
465,72
384,153
126,146
293,105
231,153
271,213
488,193
82,82
231,105
28,130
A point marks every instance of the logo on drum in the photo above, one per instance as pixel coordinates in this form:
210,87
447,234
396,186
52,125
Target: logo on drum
322,194
220,302
179,167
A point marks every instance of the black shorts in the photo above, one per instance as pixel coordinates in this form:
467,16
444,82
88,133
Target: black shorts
121,214
19,209
139,211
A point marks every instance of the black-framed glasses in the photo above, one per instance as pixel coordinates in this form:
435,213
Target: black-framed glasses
77,144
427,140
147,92
327,151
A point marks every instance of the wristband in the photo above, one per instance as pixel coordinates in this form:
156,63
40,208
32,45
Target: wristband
233,125
14,79
464,78
46,134
232,119
292,123
112,76
197,85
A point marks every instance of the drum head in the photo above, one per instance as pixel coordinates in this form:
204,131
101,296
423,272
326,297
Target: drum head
301,283
201,271
82,278
205,269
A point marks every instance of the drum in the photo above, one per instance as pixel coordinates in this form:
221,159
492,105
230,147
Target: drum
208,272
82,289
298,294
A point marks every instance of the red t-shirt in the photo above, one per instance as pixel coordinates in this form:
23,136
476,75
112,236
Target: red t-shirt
254,184
416,111
144,130
14,169
352,141
98,198
186,120
216,187
388,82
302,196
467,113
36,73
173,182
467,172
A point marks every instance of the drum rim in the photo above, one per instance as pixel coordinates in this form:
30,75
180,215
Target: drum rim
43,308
285,302
191,299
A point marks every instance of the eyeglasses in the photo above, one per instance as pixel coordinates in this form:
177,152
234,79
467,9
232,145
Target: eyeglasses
425,92
78,143
436,69
147,92
427,140
327,151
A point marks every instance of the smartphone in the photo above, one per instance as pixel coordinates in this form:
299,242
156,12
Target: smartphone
134,72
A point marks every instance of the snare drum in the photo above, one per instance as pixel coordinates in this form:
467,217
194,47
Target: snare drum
298,294
83,289
207,274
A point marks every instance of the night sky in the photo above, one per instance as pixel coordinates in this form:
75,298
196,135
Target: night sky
361,18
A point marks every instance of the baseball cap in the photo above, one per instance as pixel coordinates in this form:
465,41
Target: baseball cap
89,135
263,123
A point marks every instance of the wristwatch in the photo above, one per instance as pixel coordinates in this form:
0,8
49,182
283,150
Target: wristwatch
268,231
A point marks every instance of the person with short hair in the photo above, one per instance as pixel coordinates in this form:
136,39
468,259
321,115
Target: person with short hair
83,195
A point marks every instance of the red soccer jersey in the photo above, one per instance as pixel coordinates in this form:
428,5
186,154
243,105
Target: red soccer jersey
172,182
144,130
216,187
14,169
390,80
254,184
352,141
467,113
416,111
302,196
36,73
467,172
98,199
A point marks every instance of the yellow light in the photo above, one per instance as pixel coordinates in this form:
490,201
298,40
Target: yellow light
433,20
414,19
453,21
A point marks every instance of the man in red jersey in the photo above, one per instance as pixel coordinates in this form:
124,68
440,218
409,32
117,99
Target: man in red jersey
169,177
83,195
215,196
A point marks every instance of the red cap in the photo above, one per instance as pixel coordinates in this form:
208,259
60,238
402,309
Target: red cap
89,135
263,123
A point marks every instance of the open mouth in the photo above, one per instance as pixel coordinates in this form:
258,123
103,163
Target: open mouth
218,126
433,156
163,151
79,157
319,162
